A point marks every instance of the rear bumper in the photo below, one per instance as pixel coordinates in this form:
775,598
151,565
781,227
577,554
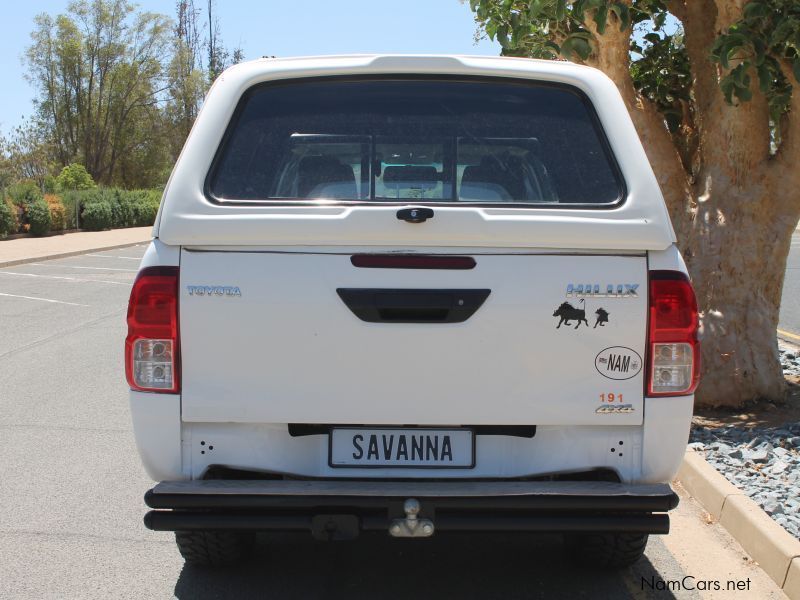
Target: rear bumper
564,506
172,449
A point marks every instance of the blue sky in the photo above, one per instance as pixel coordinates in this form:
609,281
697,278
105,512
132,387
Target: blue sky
272,27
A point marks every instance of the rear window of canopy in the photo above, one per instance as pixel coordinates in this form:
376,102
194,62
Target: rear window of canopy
482,141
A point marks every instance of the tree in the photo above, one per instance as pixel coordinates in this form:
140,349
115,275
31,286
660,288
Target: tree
118,89
26,154
217,54
219,57
74,177
185,74
100,76
715,108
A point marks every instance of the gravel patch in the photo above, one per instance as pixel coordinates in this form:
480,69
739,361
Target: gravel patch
790,359
764,462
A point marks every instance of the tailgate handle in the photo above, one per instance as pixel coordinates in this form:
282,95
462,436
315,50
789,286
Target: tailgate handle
379,305
415,214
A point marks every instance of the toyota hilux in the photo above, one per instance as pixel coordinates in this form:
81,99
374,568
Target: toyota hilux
417,295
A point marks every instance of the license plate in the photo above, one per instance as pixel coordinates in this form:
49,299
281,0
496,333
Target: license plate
410,448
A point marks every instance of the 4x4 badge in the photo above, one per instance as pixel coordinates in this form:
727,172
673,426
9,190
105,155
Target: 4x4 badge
611,409
596,290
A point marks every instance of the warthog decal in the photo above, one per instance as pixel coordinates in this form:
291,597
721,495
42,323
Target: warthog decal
602,317
567,312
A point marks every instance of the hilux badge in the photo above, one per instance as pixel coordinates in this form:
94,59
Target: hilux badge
213,290
596,290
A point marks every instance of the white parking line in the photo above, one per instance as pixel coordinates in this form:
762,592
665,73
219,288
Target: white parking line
91,268
42,299
109,256
76,279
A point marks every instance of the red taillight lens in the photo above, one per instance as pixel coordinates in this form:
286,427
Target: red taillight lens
152,347
673,349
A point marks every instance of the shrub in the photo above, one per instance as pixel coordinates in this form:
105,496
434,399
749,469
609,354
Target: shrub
58,217
97,215
49,185
97,218
70,200
24,193
8,218
121,208
148,208
142,206
75,177
39,217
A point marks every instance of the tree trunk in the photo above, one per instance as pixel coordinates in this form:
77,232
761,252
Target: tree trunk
738,240
731,215
737,258
734,206
612,56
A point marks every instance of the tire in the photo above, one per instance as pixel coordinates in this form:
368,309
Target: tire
613,550
214,548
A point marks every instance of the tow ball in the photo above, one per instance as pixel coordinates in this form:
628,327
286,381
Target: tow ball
412,526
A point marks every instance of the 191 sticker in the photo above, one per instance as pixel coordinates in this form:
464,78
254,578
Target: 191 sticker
618,362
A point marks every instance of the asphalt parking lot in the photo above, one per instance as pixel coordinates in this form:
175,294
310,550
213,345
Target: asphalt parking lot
72,486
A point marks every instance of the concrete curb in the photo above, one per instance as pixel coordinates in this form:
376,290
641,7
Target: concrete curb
775,550
22,261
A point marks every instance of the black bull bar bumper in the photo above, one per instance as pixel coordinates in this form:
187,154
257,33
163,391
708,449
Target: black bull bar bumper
333,508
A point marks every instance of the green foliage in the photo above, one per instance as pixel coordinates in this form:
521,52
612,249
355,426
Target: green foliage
99,72
74,177
8,218
143,206
97,209
39,217
69,201
663,76
107,208
25,154
552,29
118,89
24,193
97,216
762,49
49,184
58,219
758,49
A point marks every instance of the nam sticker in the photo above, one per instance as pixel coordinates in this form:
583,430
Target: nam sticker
618,362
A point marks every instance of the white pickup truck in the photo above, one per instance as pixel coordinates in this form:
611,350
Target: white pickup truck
416,294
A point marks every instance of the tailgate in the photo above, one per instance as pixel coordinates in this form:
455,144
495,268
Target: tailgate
269,337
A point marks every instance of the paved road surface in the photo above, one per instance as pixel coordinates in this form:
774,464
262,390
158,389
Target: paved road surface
790,302
71,488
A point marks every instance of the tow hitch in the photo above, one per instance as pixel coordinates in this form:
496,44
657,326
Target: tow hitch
412,525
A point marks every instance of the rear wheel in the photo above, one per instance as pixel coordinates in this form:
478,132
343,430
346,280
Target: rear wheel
214,548
607,549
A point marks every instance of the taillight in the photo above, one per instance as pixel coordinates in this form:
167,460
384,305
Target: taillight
673,349
152,347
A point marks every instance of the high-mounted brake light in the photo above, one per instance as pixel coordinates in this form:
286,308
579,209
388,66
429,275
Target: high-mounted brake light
152,347
412,261
673,349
